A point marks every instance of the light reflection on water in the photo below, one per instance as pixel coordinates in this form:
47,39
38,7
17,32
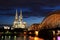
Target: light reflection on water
19,38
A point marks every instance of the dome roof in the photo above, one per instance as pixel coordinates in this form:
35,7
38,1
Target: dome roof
51,20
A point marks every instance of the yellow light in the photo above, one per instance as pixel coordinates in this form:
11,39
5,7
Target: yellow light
36,38
36,33
53,32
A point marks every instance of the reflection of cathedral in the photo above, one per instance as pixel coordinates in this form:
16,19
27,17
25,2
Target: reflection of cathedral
18,22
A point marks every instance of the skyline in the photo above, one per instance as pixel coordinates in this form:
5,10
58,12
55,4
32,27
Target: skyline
9,20
33,11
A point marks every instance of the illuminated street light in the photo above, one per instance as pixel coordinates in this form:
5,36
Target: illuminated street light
53,32
36,33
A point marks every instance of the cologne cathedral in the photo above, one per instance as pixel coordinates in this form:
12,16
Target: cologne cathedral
18,21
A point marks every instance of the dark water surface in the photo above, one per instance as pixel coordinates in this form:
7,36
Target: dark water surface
19,38
14,38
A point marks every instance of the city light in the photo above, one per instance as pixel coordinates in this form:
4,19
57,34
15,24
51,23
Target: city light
58,38
6,27
36,33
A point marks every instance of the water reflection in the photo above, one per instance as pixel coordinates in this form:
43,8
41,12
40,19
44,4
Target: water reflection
31,38
14,37
19,38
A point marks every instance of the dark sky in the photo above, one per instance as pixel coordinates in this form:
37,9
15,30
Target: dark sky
33,11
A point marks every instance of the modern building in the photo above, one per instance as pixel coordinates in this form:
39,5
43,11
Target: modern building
18,22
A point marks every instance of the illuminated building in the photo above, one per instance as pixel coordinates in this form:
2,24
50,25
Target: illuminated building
34,27
21,24
18,22
52,23
6,27
15,24
52,20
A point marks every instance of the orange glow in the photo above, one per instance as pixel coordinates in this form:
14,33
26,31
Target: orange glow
36,33
31,38
24,32
54,38
30,33
51,21
37,38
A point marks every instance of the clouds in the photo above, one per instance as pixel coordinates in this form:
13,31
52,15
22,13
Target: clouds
28,12
30,8
32,20
36,8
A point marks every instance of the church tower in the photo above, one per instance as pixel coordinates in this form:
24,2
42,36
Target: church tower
21,23
18,22
21,17
15,24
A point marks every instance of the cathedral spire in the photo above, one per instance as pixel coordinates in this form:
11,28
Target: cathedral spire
20,17
16,16
15,24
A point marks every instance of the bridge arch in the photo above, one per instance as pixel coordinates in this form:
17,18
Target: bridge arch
51,20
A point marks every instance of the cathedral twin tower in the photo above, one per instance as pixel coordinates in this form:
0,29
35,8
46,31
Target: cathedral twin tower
18,22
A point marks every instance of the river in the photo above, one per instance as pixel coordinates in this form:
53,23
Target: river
19,38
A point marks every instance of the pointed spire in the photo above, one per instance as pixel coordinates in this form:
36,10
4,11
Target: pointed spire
16,16
20,17
15,24
21,14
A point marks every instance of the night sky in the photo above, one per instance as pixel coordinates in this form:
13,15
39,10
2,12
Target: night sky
33,11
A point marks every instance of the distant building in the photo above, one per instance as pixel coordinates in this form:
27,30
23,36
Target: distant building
15,23
34,27
6,27
18,22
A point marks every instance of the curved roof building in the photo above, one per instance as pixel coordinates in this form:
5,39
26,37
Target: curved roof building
51,20
34,27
